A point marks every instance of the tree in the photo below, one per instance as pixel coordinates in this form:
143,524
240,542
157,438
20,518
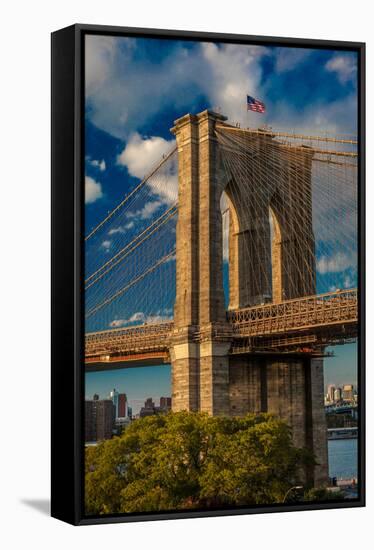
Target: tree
191,460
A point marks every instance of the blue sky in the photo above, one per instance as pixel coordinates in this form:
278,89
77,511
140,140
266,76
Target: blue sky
136,88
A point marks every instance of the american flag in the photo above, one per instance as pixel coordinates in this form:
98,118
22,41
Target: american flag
255,105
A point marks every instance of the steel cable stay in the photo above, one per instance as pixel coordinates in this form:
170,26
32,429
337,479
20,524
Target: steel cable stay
272,176
132,193
131,283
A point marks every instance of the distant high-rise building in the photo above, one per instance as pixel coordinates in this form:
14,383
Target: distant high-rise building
165,403
337,394
90,421
129,411
149,403
104,419
330,393
148,409
99,419
96,397
122,406
114,397
347,393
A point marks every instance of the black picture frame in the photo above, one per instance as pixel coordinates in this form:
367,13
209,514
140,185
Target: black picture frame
67,267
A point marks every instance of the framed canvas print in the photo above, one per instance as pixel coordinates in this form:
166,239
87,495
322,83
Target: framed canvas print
207,274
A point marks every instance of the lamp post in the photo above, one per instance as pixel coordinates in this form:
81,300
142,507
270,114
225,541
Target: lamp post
295,488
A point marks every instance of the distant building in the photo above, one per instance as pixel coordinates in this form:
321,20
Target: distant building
347,393
150,408
96,397
129,411
114,397
99,419
104,419
165,404
337,394
149,403
122,406
330,393
90,421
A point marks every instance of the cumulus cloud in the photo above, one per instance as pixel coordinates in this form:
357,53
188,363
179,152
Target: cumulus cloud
93,190
141,154
286,59
121,229
348,282
320,118
135,318
140,317
100,52
336,263
100,164
231,71
123,94
106,245
345,67
146,212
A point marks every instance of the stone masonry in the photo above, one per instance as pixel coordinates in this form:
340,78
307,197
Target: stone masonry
205,376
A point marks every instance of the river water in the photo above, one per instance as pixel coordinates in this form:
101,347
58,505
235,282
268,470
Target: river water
343,458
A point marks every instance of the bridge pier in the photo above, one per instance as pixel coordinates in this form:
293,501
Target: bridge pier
214,377
291,389
205,377
185,375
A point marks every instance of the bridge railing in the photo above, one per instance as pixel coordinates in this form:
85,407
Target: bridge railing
297,314
152,336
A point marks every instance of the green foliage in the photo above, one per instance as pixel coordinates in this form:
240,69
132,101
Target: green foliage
192,460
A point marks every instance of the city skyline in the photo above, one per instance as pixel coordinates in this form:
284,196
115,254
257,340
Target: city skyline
156,381
138,383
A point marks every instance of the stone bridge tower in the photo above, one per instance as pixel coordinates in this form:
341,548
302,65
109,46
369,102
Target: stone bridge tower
205,376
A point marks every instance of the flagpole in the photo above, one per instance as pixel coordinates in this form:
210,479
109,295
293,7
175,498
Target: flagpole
248,116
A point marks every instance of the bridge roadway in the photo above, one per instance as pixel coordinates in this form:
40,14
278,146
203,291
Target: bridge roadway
301,325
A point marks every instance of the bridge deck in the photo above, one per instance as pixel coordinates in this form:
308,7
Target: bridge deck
319,320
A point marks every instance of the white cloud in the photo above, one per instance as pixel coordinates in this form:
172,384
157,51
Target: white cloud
146,212
93,190
340,261
345,66
116,230
286,59
141,154
101,165
121,229
231,72
137,317
106,245
334,118
119,108
140,317
348,282
100,54
223,73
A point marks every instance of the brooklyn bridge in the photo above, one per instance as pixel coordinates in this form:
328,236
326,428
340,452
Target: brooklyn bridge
225,261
